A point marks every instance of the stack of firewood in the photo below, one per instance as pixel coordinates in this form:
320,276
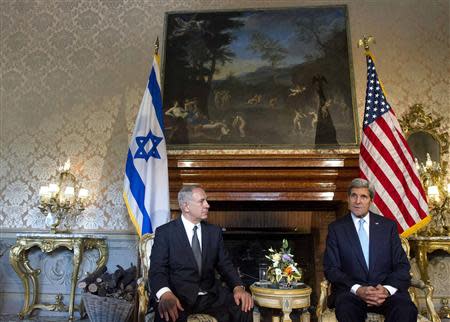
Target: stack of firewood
120,285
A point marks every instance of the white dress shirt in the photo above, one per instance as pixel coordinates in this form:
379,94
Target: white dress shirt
366,227
189,227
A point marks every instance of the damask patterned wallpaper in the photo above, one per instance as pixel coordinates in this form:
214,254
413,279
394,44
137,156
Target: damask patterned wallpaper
73,74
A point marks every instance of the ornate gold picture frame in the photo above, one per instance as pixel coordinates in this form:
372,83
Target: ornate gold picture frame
258,79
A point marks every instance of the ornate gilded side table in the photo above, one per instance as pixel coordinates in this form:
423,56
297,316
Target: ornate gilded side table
424,245
284,299
48,242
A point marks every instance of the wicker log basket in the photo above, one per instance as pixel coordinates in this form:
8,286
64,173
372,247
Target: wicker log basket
109,297
107,309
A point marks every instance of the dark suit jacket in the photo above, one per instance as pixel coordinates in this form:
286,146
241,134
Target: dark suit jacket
172,262
344,263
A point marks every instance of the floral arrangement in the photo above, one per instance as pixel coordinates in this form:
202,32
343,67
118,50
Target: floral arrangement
283,269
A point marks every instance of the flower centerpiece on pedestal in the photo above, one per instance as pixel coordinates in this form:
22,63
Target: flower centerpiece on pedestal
283,271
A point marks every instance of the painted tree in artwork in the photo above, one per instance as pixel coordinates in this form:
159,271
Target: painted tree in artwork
200,44
269,49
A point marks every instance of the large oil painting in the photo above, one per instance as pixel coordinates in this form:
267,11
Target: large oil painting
278,78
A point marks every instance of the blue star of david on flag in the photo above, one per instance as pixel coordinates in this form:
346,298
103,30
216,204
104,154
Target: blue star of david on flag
142,141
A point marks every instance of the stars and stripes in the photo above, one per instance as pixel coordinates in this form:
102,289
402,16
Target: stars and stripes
387,162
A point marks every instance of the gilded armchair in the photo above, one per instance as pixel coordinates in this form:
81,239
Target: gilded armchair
324,314
145,250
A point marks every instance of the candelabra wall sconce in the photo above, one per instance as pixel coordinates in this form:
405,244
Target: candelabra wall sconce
434,180
59,201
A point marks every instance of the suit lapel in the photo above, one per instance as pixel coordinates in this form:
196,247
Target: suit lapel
354,242
181,234
205,242
375,236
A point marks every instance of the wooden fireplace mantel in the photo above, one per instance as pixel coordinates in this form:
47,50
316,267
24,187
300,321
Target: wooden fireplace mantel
265,177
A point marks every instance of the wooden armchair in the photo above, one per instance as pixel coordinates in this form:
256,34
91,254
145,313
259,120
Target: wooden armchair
145,250
324,314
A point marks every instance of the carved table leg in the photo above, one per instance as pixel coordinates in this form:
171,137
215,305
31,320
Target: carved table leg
423,263
256,316
102,248
305,317
287,309
17,257
77,255
32,275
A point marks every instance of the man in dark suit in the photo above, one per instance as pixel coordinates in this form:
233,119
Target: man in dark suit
185,256
366,264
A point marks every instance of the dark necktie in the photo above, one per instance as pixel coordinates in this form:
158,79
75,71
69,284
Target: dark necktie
197,250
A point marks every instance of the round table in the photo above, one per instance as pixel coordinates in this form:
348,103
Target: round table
269,296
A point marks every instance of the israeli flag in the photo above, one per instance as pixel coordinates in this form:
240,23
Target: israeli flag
146,184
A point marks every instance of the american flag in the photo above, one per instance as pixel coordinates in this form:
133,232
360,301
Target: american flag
386,161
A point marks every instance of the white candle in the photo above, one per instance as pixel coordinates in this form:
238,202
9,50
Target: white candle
417,164
67,165
428,163
53,188
44,194
69,192
83,193
43,191
433,193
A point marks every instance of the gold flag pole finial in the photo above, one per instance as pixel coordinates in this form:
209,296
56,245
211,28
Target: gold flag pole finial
156,45
365,42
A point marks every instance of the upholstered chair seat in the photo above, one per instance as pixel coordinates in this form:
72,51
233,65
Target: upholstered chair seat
201,318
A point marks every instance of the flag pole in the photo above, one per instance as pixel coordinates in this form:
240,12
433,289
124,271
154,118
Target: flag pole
156,45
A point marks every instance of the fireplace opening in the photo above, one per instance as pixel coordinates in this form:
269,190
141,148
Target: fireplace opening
250,228
248,249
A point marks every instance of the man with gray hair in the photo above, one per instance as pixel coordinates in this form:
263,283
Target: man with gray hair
185,256
366,264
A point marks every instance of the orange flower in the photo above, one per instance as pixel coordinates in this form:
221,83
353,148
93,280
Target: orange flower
288,270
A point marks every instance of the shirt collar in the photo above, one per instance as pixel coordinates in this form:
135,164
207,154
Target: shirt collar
356,219
189,226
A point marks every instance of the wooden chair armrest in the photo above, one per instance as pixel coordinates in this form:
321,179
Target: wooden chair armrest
322,305
419,284
142,298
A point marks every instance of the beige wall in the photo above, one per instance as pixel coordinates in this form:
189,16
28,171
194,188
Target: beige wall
73,73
